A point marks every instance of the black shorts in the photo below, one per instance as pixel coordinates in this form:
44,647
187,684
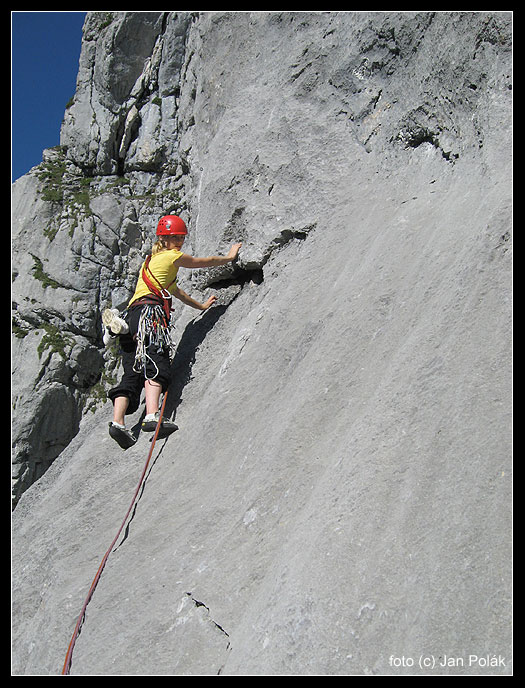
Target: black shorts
158,365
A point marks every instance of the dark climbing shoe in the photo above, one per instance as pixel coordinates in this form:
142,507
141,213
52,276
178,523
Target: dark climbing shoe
123,437
149,424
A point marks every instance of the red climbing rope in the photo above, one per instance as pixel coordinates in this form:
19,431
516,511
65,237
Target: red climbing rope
67,663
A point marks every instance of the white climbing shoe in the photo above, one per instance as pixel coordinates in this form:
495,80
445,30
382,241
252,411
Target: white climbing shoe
113,322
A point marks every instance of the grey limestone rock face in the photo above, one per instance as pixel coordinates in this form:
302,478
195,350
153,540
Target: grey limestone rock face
337,498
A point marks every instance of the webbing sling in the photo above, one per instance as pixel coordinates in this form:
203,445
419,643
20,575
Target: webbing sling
160,291
67,663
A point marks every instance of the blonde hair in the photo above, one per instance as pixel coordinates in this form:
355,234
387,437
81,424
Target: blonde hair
159,246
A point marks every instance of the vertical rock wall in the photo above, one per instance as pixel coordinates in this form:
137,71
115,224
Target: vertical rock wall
338,493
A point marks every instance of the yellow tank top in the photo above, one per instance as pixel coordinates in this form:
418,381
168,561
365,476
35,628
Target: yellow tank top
163,268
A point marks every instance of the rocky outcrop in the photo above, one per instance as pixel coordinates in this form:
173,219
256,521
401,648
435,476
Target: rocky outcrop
338,492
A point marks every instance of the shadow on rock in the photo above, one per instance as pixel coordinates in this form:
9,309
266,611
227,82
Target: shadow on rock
193,336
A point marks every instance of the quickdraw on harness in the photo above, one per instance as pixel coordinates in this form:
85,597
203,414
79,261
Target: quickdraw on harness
153,328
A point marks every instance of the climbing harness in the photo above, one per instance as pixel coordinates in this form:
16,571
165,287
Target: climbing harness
69,655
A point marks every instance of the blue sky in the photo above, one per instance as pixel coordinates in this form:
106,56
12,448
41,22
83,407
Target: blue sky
45,49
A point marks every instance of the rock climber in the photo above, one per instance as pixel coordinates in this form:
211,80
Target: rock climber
143,329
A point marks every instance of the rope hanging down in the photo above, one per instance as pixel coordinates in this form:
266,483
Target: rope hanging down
67,663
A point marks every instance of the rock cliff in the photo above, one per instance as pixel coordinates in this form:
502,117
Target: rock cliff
337,499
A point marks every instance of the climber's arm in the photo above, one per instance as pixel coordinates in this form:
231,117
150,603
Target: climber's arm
186,261
188,301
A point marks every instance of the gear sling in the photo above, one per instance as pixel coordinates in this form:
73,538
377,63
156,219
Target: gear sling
160,291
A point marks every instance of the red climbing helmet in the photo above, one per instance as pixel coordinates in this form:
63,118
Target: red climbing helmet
170,225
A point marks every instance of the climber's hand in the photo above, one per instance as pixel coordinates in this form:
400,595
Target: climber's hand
209,302
234,250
